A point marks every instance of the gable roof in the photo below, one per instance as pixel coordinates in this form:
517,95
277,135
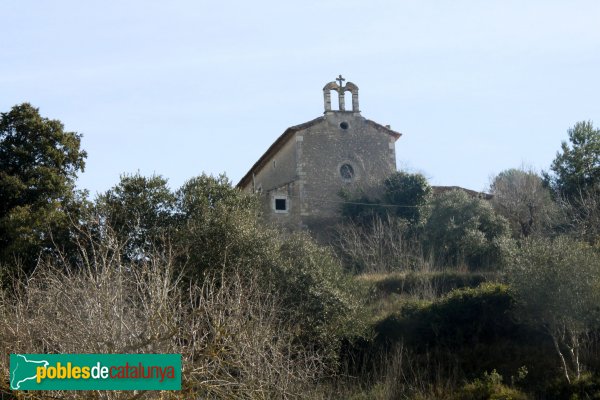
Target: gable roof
289,132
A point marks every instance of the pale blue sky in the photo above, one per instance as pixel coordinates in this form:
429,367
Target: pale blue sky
181,87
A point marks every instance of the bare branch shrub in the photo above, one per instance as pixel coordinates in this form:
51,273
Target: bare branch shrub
245,349
583,214
233,341
397,373
520,196
380,247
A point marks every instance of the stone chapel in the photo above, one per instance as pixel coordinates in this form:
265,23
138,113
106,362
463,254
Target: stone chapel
301,174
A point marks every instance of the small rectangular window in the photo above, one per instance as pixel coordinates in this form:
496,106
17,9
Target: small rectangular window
280,204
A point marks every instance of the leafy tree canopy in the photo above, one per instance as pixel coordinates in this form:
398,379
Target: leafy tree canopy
556,285
410,193
219,225
462,228
403,195
576,167
213,228
139,210
39,163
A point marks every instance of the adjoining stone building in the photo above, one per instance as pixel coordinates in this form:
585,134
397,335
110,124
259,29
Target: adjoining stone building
301,174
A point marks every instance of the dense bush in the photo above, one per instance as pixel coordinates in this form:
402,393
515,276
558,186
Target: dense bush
488,387
403,195
475,329
587,386
464,229
556,283
464,317
207,223
316,294
361,208
218,226
408,196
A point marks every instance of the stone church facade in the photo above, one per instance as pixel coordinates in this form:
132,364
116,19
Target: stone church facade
301,174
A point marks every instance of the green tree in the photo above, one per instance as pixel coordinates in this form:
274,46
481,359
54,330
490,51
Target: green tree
520,196
462,228
39,163
361,208
557,286
402,195
575,181
219,226
220,230
409,194
321,300
576,167
212,229
140,211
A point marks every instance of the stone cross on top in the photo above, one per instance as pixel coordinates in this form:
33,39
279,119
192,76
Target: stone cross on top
341,90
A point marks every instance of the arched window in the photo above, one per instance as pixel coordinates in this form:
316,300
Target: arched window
335,101
347,101
347,172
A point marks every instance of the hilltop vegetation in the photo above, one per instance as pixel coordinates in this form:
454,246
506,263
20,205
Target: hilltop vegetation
445,296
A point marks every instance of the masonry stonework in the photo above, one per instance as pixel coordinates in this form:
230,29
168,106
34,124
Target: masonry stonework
300,176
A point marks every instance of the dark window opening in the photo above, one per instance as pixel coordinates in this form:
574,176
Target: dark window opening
347,172
280,204
344,125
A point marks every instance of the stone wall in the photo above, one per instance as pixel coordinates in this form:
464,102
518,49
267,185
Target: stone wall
343,138
278,179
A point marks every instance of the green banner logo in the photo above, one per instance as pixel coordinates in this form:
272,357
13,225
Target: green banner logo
95,371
